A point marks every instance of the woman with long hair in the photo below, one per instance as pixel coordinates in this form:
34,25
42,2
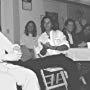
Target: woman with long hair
28,40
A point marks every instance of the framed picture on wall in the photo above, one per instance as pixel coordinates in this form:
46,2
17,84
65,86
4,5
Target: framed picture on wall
27,5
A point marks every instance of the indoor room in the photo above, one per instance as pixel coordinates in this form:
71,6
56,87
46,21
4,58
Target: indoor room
45,44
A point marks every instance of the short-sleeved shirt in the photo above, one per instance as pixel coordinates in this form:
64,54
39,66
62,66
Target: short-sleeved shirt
28,41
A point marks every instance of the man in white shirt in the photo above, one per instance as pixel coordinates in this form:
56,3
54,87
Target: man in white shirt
51,46
22,76
51,41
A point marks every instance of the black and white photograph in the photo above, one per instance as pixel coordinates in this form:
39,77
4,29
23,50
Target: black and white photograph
27,5
44,44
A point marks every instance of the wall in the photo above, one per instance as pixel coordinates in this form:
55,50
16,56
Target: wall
58,7
0,12
14,19
26,15
7,18
72,11
38,8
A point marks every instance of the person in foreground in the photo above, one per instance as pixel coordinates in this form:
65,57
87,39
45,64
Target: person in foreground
52,47
22,76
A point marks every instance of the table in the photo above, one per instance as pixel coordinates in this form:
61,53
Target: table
79,54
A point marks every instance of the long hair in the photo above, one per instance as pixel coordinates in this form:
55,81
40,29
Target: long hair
42,23
34,32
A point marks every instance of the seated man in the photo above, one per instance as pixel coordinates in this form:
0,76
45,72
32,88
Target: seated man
68,30
22,76
51,41
51,44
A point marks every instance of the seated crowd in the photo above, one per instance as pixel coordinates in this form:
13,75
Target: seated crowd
24,62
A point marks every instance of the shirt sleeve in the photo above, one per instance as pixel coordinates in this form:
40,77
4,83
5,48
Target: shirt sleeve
61,39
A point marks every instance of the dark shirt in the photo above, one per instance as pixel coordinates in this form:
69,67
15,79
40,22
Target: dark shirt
78,38
87,38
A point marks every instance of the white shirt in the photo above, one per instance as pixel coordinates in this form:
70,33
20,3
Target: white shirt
28,41
70,38
57,38
6,45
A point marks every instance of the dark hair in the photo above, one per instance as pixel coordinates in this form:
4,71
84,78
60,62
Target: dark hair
70,20
42,23
34,32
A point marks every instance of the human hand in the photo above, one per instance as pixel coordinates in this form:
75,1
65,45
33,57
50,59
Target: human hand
83,44
46,45
16,48
17,51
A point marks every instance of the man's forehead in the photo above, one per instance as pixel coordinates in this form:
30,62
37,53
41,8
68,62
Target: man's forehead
70,22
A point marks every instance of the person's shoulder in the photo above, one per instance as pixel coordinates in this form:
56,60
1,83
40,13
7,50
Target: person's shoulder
59,32
42,36
24,36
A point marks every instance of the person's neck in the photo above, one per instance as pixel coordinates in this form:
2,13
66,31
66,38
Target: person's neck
68,32
48,33
30,34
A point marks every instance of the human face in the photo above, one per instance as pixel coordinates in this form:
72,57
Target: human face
70,26
87,30
30,27
78,27
47,24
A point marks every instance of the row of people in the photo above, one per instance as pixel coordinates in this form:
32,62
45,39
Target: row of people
54,42
76,34
50,44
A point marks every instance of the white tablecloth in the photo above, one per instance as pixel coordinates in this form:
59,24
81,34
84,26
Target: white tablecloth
79,54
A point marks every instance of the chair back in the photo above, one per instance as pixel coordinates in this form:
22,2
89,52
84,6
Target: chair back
54,78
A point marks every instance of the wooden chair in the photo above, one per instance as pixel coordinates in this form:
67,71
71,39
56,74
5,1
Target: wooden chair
54,78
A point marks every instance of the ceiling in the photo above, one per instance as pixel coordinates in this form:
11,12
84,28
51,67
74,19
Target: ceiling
86,2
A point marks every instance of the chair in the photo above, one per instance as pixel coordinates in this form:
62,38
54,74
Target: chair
54,78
